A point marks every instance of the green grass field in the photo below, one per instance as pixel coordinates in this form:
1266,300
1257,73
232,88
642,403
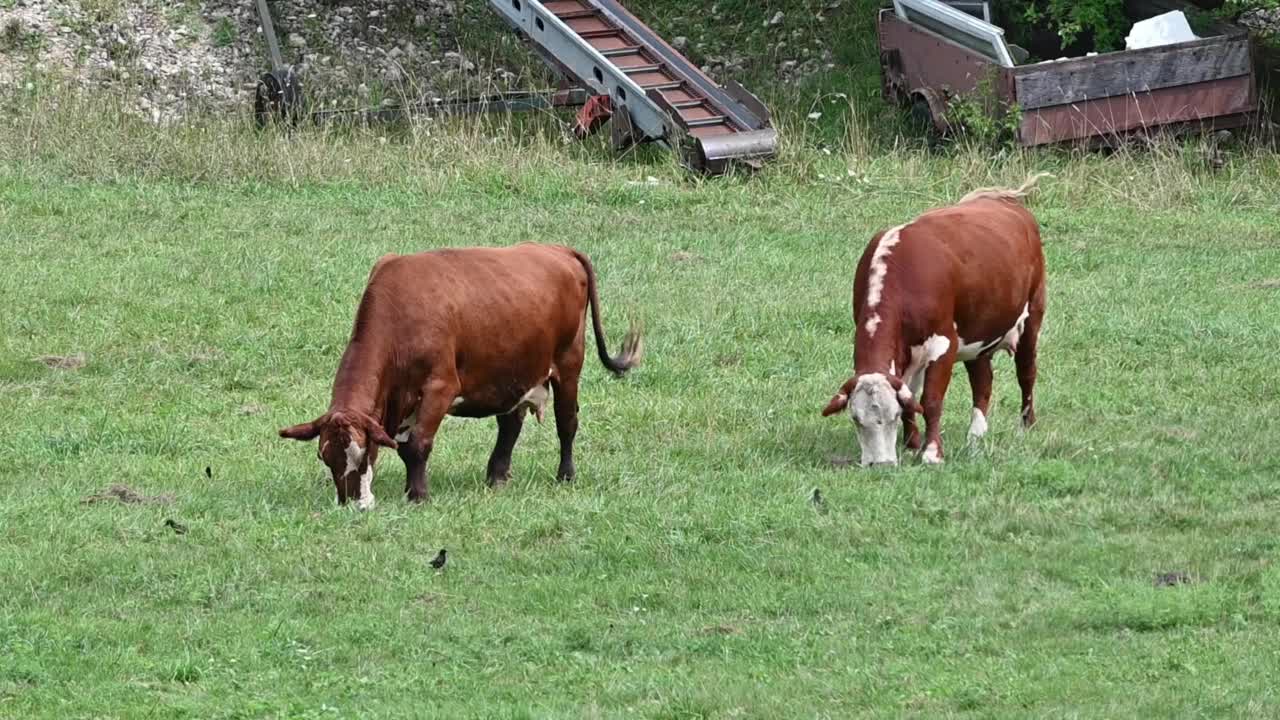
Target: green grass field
210,278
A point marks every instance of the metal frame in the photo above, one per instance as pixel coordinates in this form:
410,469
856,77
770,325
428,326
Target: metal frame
978,8
983,32
587,65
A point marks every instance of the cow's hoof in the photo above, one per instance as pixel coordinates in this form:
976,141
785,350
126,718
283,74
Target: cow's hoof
932,456
977,426
497,482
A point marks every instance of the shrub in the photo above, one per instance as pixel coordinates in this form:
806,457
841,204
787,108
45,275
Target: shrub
1076,25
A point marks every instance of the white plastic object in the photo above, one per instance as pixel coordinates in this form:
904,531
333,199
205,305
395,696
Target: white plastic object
1166,29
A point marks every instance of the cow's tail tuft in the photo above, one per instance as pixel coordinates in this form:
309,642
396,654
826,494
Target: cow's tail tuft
632,345
1006,193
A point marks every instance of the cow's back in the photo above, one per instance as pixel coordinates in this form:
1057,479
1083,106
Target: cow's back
498,320
483,296
986,250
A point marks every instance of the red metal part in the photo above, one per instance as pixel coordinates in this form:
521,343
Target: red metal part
593,115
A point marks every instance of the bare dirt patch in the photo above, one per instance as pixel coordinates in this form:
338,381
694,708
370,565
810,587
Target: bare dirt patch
128,496
64,362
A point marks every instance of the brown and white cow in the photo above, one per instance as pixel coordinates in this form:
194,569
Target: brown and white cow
957,284
473,332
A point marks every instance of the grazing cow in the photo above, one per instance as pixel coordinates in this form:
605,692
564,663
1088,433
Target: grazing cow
956,284
473,332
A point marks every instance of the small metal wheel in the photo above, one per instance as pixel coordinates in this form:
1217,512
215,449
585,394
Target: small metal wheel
928,114
278,98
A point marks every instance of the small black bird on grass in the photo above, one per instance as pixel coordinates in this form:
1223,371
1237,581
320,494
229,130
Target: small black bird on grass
208,472
818,501
440,560
178,527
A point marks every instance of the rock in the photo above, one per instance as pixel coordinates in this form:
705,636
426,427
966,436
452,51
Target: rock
777,18
680,42
297,41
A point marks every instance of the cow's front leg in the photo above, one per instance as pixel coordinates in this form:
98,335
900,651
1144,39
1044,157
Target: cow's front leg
910,434
937,378
437,397
415,464
500,461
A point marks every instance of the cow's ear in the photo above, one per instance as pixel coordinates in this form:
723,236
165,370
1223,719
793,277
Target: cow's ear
305,431
840,400
380,437
905,398
377,435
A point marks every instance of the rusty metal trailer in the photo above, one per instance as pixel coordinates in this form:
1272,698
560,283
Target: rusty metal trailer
1206,83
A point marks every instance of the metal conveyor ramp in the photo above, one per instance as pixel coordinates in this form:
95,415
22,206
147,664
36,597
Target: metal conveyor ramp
654,92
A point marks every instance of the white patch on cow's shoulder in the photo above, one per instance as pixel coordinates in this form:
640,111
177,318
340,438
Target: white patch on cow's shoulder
977,425
873,322
875,283
366,501
355,455
930,456
893,368
935,347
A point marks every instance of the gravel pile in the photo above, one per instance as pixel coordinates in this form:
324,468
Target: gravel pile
175,58
1262,21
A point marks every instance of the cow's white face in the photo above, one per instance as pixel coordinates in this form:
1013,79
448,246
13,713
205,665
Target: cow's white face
876,411
349,443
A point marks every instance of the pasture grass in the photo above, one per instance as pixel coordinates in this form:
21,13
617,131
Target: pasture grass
209,277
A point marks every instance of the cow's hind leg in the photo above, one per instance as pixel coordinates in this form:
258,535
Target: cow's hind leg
500,461
437,396
1025,359
566,399
980,383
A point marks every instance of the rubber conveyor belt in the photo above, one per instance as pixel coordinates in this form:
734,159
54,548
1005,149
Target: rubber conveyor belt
665,97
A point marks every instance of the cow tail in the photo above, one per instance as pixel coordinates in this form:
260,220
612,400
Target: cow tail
1006,193
632,344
